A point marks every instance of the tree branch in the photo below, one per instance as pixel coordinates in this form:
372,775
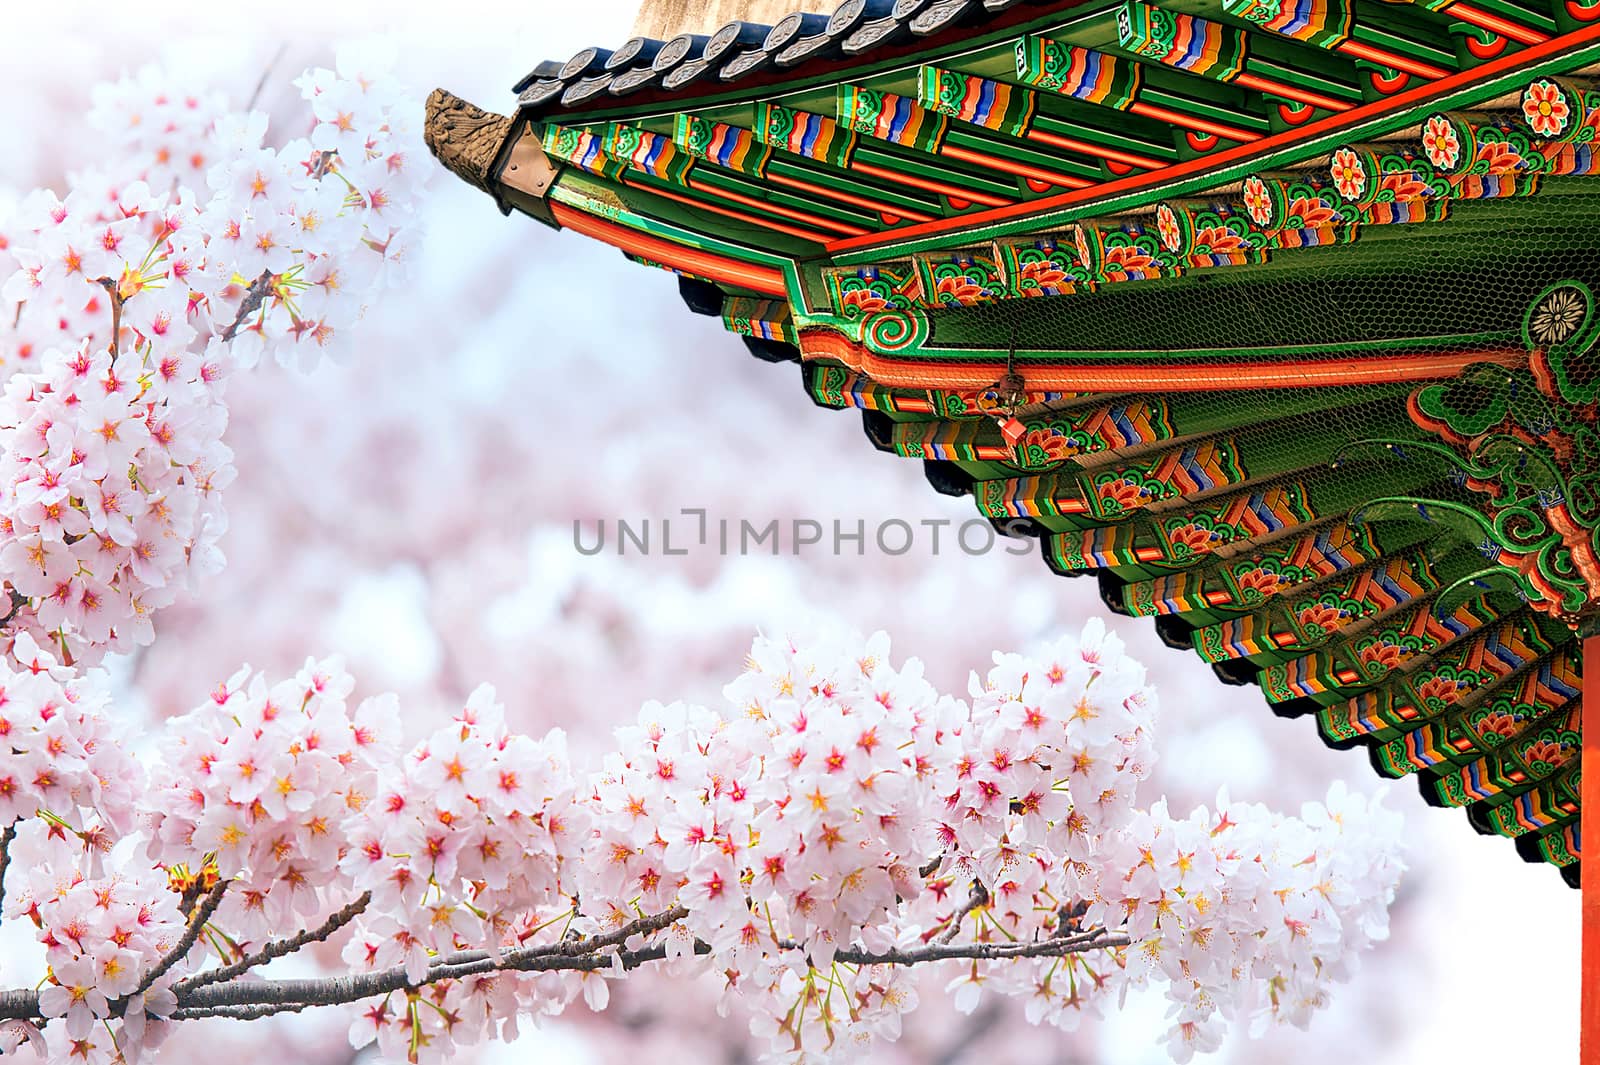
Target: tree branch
250,999
197,923
250,304
277,949
977,896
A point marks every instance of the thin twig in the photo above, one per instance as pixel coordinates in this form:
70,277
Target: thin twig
197,924
977,896
277,949
1037,948
266,71
251,303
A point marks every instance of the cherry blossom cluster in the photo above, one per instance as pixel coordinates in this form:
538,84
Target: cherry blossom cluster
61,750
68,791
197,249
838,823
107,938
468,834
470,844
110,492
259,783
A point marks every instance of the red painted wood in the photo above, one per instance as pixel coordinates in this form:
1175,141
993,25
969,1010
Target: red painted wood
1589,1035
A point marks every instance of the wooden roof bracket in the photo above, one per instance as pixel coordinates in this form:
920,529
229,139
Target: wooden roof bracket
495,153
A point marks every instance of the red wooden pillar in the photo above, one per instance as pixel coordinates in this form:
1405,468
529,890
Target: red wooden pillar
1589,831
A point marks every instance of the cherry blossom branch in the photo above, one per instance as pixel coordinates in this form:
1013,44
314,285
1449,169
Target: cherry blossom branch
250,304
1099,939
479,830
237,999
191,934
590,955
976,897
279,948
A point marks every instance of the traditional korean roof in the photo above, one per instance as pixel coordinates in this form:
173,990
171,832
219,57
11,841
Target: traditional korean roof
1276,318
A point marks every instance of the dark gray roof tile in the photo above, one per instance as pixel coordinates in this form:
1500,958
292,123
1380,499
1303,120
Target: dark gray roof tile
683,46
792,27
541,92
748,63
684,73
634,51
545,70
585,62
734,38
633,80
942,13
874,33
586,89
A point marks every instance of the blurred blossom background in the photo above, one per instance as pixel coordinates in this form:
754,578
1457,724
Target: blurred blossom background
413,510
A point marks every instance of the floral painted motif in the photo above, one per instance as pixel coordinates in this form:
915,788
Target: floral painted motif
1441,691
1257,200
1558,316
1380,656
1403,186
1310,212
1321,618
1218,240
1193,539
1349,175
1258,583
1545,756
863,299
1497,726
1040,447
1440,143
1545,107
958,290
1167,228
1040,277
1126,494
1498,157
1126,258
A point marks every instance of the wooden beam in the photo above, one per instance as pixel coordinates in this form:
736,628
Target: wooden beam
1589,1034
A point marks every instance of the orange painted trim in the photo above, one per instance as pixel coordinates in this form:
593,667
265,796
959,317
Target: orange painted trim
1005,166
1239,153
728,212
763,279
1588,830
1095,150
850,198
948,191
1183,121
1392,60
779,209
1495,24
820,343
1292,92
